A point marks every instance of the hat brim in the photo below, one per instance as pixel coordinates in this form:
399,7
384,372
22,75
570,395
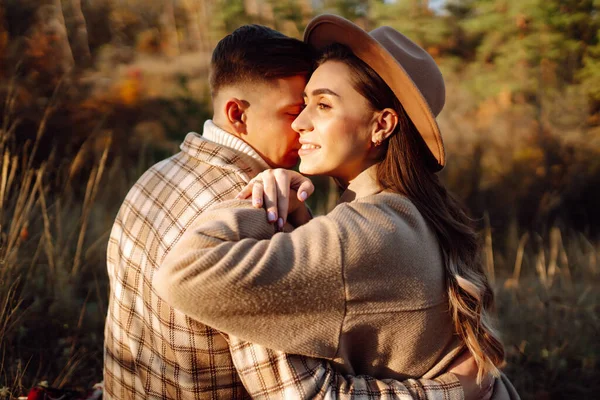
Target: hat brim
327,29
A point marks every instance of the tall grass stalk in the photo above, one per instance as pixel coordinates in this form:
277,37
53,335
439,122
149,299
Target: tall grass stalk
90,196
489,250
46,255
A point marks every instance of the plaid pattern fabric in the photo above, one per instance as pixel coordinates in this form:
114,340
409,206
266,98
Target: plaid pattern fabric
272,374
151,349
154,351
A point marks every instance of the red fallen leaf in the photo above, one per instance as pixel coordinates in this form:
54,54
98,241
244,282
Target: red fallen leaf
36,394
24,235
44,393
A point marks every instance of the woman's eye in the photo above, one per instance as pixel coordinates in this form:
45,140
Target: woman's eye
323,106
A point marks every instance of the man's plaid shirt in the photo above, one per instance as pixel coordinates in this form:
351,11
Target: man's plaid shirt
154,351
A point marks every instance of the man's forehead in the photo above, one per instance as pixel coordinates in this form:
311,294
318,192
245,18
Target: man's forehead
291,84
286,91
275,93
289,103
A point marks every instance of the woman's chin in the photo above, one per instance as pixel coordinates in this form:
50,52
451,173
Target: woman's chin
307,168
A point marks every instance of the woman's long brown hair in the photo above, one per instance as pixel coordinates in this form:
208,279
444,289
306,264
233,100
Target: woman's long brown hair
406,166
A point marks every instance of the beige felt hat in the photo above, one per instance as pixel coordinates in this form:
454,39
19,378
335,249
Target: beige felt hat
407,69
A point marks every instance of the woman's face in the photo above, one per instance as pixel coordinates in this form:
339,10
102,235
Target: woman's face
335,126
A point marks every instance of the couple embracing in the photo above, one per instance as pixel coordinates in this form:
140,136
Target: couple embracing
217,297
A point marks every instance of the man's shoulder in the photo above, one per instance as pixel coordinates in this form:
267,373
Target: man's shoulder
189,180
176,190
181,179
182,170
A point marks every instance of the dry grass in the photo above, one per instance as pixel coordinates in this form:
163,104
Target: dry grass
53,288
548,304
53,283
55,217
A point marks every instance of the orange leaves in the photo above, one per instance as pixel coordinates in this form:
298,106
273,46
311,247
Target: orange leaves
130,90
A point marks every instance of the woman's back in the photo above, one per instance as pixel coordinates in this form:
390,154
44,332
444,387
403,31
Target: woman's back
397,321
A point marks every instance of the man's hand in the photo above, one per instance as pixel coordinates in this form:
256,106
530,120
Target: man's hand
280,191
465,369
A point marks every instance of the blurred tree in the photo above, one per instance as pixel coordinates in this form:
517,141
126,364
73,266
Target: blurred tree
79,36
459,43
289,16
4,37
351,9
534,46
129,17
416,20
197,14
578,23
98,24
167,22
590,79
232,14
56,27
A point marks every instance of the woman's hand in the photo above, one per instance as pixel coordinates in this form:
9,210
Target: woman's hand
280,191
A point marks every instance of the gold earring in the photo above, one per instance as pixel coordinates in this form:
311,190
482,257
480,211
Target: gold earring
377,143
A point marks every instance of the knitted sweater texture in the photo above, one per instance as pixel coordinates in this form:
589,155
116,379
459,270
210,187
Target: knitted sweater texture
362,286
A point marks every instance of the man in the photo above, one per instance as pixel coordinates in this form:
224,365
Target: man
151,349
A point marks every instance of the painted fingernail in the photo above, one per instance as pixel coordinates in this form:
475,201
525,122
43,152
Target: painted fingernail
257,202
303,196
280,223
271,216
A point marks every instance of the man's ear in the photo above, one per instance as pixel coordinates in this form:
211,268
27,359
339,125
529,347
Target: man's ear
235,112
384,124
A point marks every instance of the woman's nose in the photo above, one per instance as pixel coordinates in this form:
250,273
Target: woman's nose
302,123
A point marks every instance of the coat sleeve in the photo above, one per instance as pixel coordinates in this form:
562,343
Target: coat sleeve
271,374
232,272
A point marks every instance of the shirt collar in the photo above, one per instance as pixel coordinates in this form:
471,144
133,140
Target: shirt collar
219,136
365,184
218,147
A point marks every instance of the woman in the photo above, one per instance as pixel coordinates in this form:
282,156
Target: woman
387,284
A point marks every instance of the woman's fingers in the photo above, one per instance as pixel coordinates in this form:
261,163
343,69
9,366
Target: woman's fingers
246,191
305,189
301,184
271,190
257,194
282,180
270,195
255,189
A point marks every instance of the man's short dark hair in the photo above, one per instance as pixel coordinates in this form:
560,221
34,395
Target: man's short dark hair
254,53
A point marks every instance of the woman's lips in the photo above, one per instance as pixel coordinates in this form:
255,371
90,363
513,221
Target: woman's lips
308,148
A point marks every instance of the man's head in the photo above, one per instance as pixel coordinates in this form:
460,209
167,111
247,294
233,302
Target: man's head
257,79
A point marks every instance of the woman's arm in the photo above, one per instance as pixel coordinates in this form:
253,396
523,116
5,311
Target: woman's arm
284,291
250,289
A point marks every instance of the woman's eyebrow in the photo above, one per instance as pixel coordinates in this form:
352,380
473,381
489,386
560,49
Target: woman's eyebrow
317,92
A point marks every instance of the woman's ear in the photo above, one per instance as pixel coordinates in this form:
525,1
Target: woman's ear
235,111
384,125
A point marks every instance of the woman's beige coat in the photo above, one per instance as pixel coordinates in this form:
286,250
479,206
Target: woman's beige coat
362,286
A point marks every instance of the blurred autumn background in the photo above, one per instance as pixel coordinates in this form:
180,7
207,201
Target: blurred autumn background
93,92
